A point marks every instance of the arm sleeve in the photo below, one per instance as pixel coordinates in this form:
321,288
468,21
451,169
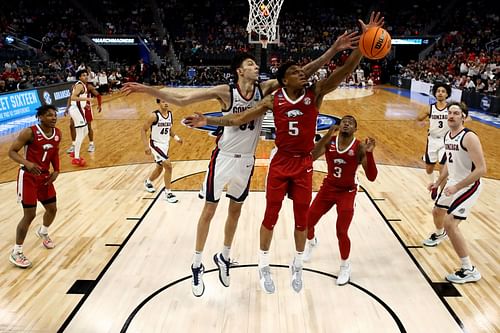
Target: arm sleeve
371,168
99,100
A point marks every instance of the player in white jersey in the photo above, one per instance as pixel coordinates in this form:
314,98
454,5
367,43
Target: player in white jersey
464,167
79,98
438,126
232,160
159,123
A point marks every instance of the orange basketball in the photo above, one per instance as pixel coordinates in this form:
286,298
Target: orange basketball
375,43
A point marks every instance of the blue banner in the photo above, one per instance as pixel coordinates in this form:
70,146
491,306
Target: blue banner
18,104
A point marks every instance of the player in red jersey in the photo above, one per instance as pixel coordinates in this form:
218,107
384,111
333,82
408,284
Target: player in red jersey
343,154
295,108
35,181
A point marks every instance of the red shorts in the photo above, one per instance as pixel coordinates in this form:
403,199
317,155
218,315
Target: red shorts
31,188
89,115
292,175
328,196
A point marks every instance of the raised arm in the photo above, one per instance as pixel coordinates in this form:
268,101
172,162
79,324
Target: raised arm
217,92
320,146
368,162
343,42
333,80
235,119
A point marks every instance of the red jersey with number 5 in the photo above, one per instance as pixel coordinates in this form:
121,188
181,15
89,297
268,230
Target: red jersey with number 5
342,164
43,149
295,122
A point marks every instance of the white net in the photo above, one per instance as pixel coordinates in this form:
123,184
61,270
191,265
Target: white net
263,17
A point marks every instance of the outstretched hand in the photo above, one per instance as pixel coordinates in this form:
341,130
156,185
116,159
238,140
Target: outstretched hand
375,21
370,144
196,120
133,87
346,41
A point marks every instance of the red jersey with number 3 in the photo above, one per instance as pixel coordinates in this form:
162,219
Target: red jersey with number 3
295,122
43,148
342,164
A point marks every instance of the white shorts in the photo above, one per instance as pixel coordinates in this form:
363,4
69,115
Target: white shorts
159,151
434,152
460,203
233,170
78,116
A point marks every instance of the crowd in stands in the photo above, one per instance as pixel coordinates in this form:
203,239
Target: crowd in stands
206,34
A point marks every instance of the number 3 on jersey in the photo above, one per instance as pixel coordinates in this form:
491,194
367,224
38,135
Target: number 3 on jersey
337,172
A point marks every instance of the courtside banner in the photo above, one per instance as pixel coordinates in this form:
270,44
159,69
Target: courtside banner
56,94
18,104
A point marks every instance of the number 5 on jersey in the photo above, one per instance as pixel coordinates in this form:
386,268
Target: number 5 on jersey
293,128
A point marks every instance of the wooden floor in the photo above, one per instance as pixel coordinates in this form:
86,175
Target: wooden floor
104,206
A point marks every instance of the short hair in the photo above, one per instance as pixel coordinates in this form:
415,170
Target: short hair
462,107
238,60
158,101
79,73
351,117
280,74
42,110
443,85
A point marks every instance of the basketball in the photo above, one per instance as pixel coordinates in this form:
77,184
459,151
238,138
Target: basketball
375,43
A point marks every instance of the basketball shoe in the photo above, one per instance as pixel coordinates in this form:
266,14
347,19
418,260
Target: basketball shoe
266,280
197,285
344,275
464,275
78,162
170,197
310,245
296,280
223,266
18,259
435,239
46,241
91,148
149,186
70,150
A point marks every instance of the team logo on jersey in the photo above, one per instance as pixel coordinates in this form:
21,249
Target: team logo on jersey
323,123
47,98
339,161
56,138
47,146
350,152
307,101
294,113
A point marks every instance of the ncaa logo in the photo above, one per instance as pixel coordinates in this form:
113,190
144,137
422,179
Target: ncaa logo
307,101
485,103
47,98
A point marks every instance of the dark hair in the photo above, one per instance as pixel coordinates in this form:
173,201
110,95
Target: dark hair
158,101
441,84
462,107
79,73
42,110
238,61
351,117
280,74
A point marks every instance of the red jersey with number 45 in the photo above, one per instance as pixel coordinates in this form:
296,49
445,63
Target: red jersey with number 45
342,164
43,149
295,122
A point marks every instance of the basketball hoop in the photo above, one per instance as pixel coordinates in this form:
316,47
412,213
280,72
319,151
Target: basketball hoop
263,18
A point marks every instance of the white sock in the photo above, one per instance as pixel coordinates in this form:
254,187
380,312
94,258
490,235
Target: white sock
263,258
167,190
439,231
72,143
197,259
225,252
297,260
344,263
91,143
17,248
44,230
466,263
